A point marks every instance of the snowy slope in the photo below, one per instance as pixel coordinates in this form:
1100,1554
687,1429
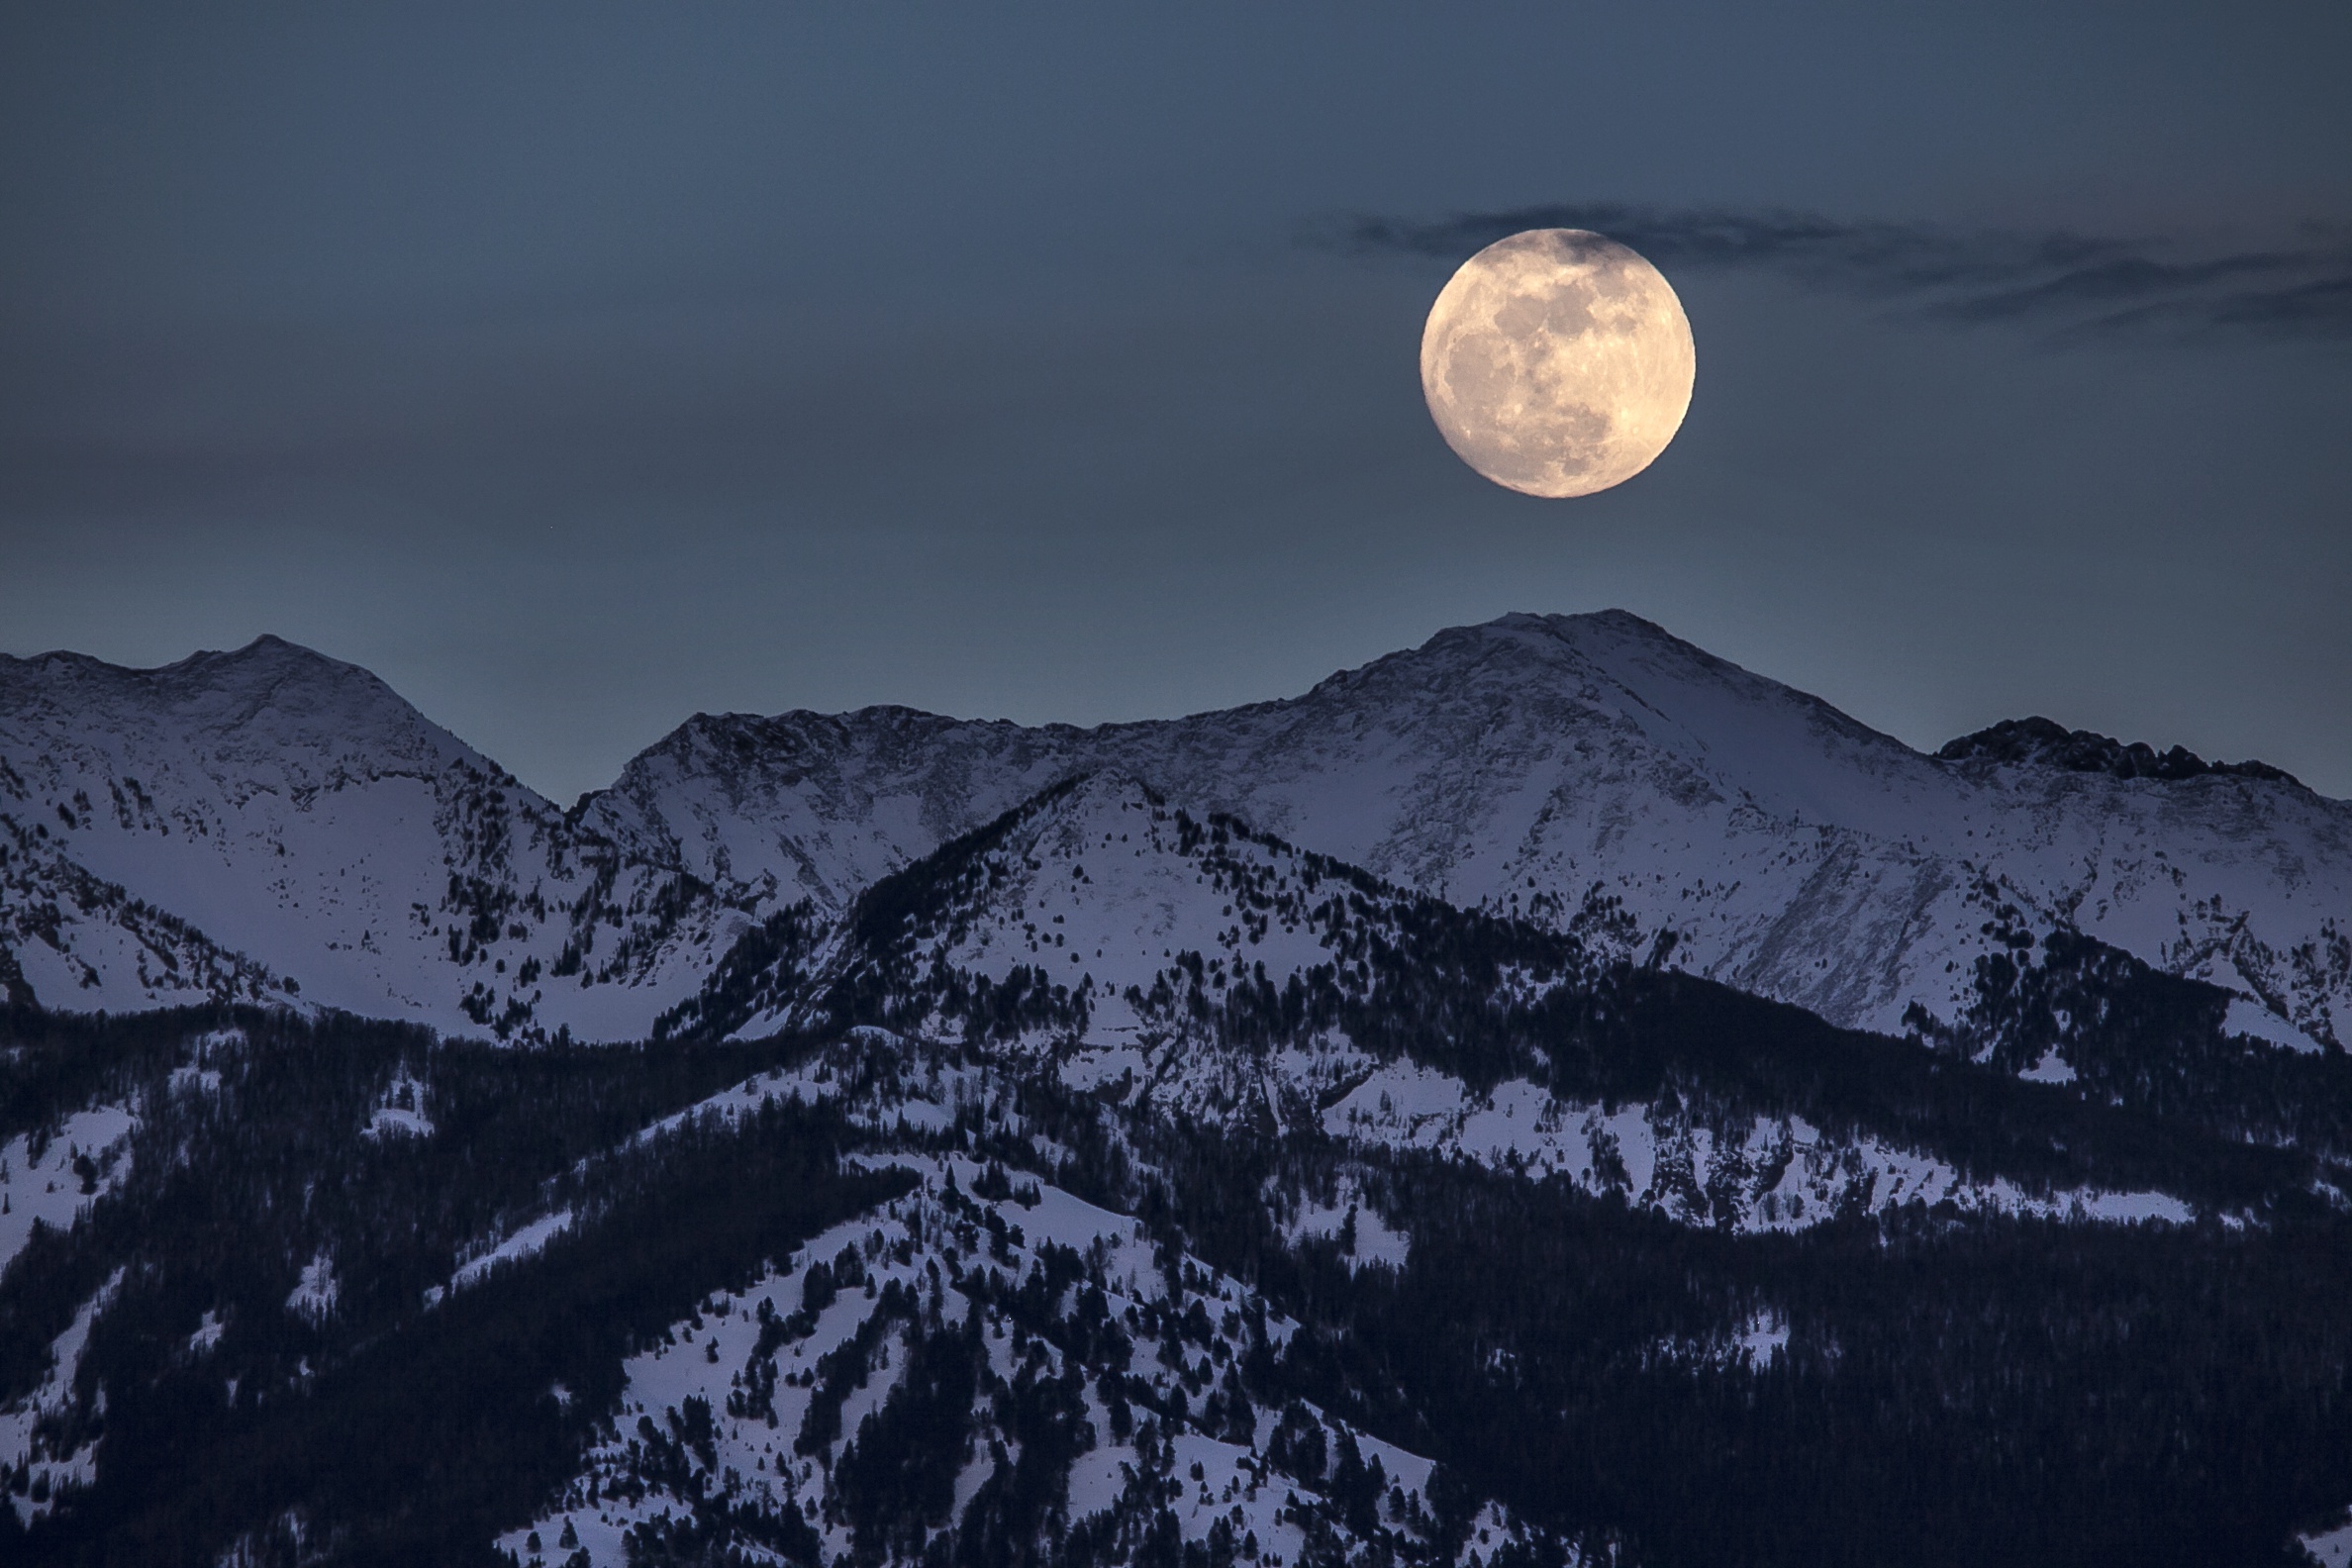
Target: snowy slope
270,822
1598,774
85,943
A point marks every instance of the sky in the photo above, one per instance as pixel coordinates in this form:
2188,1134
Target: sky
577,368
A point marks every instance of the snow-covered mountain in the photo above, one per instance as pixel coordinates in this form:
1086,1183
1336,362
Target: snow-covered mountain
270,823
1597,774
268,820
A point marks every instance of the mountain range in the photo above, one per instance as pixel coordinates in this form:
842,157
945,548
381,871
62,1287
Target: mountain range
273,823
1550,1096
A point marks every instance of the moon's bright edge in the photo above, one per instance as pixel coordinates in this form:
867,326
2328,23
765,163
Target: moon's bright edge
1557,362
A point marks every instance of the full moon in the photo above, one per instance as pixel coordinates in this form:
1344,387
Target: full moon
1557,362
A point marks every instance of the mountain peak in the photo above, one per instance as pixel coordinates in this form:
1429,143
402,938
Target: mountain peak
270,645
267,657
1623,621
264,702
1587,631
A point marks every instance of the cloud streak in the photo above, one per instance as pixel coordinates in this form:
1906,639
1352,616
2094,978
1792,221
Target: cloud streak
2072,287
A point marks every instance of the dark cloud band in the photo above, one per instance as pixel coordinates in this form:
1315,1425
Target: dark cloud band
2068,285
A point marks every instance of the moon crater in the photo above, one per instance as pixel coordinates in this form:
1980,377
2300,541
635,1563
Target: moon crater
1557,362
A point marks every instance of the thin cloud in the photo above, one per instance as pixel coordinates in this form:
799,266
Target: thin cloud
2071,286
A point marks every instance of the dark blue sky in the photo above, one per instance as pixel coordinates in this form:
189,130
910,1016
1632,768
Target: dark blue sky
577,368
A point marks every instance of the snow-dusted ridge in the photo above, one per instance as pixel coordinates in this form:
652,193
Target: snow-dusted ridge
758,1405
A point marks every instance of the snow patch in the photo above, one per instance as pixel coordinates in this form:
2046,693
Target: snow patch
1364,1237
2251,1019
1775,1174
1763,1338
314,1297
2051,1069
525,1242
55,1180
2330,1548
402,1112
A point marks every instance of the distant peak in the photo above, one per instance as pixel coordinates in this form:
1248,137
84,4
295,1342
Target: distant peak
1623,622
2048,744
269,694
269,648
272,664
1591,632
